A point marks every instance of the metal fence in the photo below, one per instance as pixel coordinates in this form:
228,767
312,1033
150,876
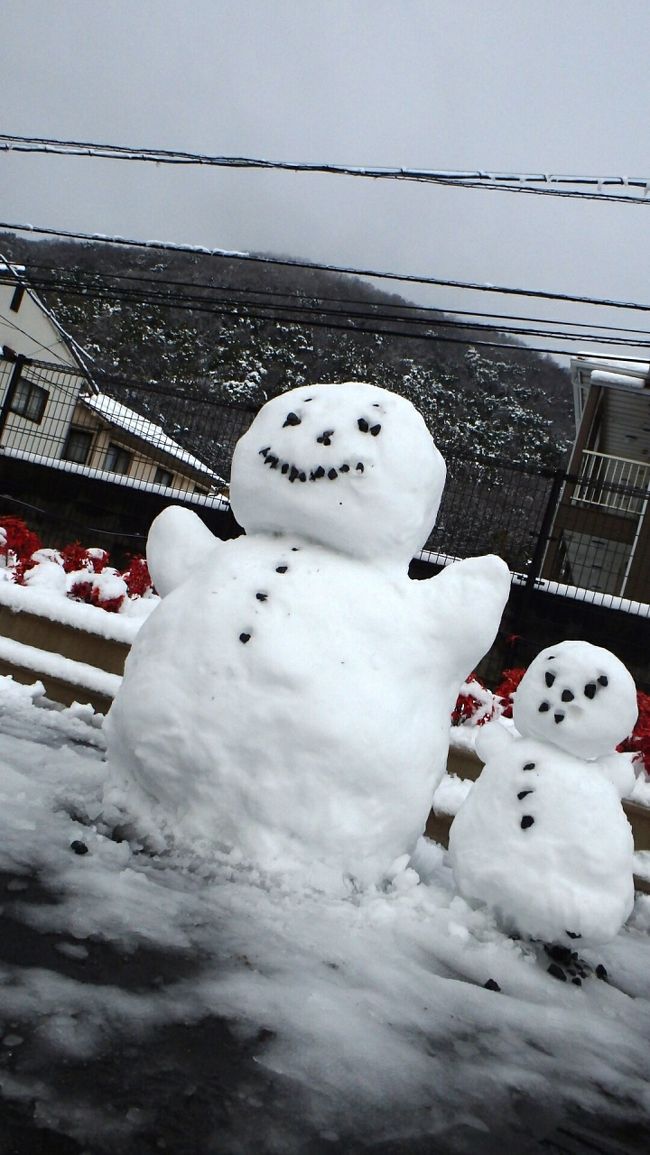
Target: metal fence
178,443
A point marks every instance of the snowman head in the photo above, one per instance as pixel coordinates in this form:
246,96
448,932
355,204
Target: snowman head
579,697
349,466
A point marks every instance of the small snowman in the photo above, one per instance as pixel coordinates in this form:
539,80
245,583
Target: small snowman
542,838
290,696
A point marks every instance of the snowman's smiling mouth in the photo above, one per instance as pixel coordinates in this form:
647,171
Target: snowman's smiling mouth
294,472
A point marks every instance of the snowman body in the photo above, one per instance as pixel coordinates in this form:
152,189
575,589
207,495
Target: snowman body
542,838
291,697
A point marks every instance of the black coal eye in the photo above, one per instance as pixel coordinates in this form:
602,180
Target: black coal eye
549,678
590,690
363,425
603,680
374,429
292,419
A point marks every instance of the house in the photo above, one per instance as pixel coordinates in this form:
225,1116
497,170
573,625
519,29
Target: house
52,414
600,538
29,328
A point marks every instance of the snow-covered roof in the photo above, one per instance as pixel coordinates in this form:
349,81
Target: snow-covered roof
138,426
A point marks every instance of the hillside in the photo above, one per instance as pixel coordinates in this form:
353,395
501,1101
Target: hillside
236,330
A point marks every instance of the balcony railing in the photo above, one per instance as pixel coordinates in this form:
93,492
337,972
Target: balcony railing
617,484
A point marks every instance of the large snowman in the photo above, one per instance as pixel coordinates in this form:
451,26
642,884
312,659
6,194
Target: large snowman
290,697
542,838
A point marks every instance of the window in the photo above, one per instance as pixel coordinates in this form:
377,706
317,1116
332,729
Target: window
77,446
163,476
29,400
117,460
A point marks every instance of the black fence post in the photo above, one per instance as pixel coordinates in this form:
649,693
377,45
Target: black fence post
543,537
19,363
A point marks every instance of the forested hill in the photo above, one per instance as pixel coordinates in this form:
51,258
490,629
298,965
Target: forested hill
248,330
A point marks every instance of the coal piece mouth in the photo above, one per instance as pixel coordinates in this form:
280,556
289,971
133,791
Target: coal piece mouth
294,473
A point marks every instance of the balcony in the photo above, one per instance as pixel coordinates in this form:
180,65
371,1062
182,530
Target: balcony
616,484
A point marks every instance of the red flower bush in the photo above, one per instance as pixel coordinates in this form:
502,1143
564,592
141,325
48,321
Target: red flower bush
475,703
92,579
16,538
639,741
510,679
137,578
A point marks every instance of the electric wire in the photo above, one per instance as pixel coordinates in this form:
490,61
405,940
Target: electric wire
303,313
476,178
292,262
437,313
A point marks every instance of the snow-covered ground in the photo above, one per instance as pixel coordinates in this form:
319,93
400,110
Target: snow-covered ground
188,1003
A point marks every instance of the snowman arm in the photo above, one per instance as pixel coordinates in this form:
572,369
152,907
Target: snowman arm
493,740
177,541
468,598
619,770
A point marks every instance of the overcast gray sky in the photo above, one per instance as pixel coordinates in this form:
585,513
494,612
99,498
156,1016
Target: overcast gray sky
556,86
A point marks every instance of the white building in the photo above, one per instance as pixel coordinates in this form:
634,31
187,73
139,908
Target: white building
51,413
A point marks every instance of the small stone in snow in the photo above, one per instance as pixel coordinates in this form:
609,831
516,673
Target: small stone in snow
527,821
79,847
559,953
244,638
557,972
492,985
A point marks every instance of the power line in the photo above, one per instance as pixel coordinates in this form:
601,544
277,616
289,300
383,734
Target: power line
349,325
466,178
291,262
436,313
305,313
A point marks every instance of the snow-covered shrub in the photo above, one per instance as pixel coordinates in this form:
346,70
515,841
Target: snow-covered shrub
639,741
80,573
475,704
